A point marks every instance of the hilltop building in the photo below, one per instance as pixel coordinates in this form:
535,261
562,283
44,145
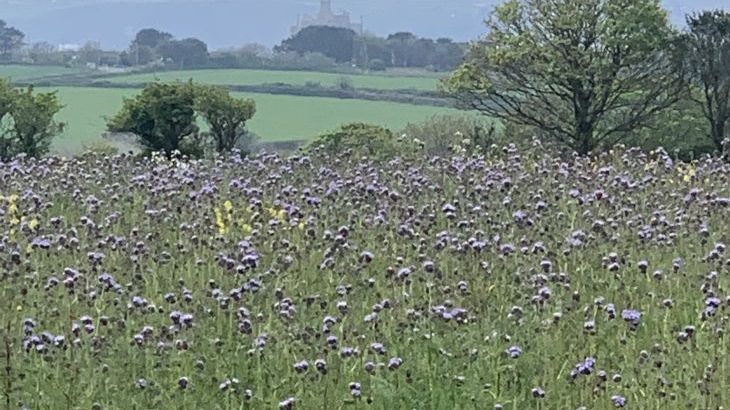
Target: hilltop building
326,17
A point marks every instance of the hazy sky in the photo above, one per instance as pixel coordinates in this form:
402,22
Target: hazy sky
225,23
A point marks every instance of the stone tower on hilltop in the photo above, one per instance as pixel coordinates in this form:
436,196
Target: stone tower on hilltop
326,17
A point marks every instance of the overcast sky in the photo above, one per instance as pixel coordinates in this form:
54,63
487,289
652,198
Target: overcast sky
226,23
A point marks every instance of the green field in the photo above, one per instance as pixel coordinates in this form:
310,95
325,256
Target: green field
26,72
255,77
278,118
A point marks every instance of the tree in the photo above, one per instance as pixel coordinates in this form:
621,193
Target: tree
151,38
334,42
90,53
447,55
7,96
11,39
400,44
33,125
584,72
189,52
708,58
226,116
162,116
138,55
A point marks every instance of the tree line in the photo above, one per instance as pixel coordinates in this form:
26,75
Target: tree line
314,48
402,49
589,74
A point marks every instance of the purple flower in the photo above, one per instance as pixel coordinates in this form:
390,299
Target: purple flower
618,401
183,383
631,316
583,368
287,404
394,363
514,352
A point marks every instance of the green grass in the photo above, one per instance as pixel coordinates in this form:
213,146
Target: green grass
278,118
254,77
27,72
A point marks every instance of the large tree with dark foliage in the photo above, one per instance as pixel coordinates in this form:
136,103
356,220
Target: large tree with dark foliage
708,59
583,72
185,53
334,42
11,39
152,38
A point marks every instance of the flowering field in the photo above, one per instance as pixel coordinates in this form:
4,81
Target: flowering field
516,280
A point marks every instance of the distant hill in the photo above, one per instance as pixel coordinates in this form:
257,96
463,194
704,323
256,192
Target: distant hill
224,23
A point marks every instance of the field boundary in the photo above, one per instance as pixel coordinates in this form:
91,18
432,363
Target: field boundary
404,96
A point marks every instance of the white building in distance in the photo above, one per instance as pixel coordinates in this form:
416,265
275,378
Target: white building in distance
326,17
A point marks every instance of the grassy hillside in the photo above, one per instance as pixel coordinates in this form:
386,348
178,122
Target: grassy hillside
26,72
251,77
278,118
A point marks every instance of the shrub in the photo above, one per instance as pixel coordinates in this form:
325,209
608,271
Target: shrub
29,122
344,83
377,64
441,133
360,139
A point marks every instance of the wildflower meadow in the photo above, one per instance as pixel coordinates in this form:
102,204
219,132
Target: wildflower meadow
513,279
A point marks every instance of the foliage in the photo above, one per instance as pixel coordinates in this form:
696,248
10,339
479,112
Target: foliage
441,133
345,83
7,98
151,45
30,123
583,72
162,116
226,77
682,130
404,49
708,58
225,115
358,139
152,38
333,42
11,39
189,52
376,64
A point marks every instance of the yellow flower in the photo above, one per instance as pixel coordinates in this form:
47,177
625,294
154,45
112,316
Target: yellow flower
219,222
15,221
228,206
686,178
247,229
33,224
281,215
12,209
29,248
13,198
301,226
